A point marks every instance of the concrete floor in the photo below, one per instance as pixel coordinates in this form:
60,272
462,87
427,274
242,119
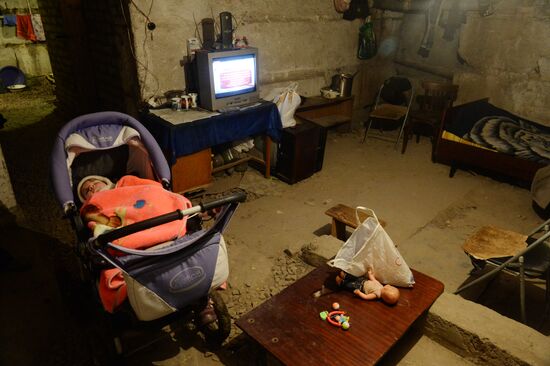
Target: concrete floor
429,216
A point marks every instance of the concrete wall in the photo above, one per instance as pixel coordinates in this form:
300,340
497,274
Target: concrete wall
507,58
7,197
304,41
504,56
31,58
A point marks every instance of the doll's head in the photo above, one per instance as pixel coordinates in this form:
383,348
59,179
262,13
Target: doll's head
389,294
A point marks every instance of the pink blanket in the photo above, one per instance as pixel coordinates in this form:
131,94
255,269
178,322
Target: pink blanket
134,199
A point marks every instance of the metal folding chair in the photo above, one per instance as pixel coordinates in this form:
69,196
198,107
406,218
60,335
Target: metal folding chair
533,261
393,104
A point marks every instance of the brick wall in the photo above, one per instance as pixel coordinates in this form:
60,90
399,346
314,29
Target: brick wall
89,48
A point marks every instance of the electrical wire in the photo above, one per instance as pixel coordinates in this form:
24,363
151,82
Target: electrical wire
146,16
217,29
197,32
236,24
140,63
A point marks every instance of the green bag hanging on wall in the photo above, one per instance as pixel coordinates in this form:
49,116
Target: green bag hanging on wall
367,41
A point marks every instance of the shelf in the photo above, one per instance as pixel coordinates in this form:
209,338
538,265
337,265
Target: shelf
231,164
319,102
329,121
327,113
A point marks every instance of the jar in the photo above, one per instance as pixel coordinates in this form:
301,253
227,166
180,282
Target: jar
176,104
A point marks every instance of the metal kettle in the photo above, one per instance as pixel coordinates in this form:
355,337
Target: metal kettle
342,83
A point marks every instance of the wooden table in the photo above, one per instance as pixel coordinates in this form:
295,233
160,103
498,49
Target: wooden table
289,327
186,138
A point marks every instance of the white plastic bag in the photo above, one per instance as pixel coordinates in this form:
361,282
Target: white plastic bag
371,247
287,102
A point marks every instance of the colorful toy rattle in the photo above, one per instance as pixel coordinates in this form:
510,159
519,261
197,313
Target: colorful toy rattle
337,317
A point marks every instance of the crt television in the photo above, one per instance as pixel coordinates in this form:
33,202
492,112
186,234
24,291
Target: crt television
227,78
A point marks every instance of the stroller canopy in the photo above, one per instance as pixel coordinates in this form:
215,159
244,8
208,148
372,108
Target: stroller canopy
96,132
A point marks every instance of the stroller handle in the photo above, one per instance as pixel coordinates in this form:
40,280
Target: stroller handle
113,235
235,197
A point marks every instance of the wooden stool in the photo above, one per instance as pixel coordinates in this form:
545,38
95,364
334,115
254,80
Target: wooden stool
343,216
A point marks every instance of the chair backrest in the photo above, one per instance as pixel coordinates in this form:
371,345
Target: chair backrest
396,90
437,96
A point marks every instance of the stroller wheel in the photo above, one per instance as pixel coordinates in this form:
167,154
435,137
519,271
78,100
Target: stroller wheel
217,331
105,346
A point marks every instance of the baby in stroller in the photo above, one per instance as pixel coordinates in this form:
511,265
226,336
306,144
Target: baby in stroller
160,201
132,199
152,260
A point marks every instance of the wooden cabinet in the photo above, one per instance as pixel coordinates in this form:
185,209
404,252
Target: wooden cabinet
298,152
192,172
301,150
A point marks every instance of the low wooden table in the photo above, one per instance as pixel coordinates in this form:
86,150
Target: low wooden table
289,326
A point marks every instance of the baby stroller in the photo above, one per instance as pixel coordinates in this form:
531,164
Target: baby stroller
164,281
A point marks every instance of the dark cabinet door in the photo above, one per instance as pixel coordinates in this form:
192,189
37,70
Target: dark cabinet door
298,152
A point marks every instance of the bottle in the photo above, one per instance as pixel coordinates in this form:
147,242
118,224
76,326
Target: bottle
367,41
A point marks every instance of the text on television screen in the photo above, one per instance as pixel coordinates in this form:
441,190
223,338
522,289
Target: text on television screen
234,74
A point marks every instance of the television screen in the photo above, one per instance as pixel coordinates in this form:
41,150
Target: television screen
234,75
227,78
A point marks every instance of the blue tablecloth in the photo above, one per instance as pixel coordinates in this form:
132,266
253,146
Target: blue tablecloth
186,138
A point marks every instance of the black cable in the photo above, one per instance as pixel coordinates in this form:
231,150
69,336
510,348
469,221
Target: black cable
217,30
235,24
146,16
131,44
197,32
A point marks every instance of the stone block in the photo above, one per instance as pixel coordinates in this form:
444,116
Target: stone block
33,59
484,336
8,35
320,250
7,56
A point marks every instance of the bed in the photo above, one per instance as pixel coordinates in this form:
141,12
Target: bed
480,137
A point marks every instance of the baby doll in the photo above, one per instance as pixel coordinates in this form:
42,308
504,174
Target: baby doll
368,288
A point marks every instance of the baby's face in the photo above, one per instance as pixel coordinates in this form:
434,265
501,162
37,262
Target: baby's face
90,187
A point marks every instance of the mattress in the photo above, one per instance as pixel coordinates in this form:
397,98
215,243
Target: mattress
485,126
